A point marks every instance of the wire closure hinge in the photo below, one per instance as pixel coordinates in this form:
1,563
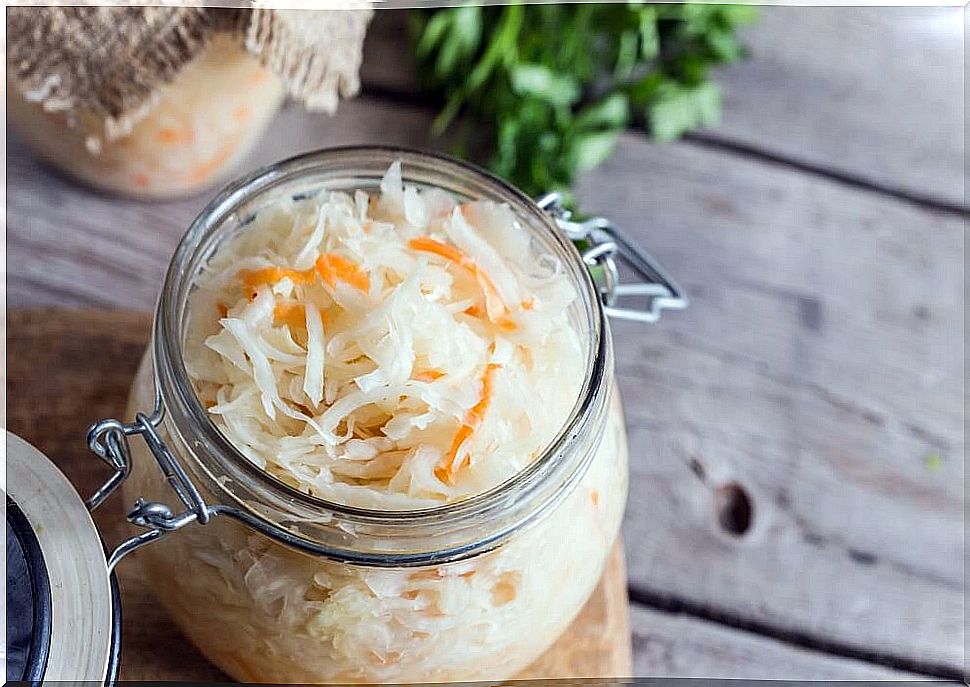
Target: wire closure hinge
600,243
108,439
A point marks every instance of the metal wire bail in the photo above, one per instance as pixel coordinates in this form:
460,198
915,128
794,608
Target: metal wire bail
601,242
108,439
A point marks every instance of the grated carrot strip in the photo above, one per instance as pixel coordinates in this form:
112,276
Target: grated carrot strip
493,301
271,275
329,267
332,267
503,322
447,468
291,314
449,465
426,244
507,325
428,376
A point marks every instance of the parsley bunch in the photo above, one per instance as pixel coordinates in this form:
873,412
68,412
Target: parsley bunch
552,86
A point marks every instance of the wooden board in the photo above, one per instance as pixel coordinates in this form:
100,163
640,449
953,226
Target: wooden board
870,93
677,645
68,368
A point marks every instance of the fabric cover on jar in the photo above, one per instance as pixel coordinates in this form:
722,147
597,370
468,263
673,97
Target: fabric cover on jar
164,101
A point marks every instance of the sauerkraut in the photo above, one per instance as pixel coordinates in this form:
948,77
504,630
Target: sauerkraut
393,351
265,613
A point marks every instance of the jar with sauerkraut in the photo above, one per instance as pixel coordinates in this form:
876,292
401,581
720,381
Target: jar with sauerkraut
384,400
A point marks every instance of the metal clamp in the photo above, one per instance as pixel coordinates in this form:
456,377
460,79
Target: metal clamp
600,243
108,439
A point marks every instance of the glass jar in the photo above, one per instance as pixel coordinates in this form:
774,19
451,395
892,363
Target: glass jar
202,124
274,585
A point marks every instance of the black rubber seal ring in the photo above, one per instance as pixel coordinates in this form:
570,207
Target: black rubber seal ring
40,641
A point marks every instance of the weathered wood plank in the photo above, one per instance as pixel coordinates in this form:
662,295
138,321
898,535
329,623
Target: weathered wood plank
819,366
874,93
678,646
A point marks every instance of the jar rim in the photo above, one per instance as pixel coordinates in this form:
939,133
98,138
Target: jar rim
184,407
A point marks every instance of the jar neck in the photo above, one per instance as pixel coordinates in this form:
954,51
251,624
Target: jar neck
414,537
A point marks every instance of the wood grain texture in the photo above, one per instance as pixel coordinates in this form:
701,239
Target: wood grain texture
874,93
89,358
677,646
820,367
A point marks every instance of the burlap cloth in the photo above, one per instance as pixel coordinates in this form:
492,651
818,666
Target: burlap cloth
110,61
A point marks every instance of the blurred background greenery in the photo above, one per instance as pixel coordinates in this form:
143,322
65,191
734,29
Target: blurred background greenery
540,92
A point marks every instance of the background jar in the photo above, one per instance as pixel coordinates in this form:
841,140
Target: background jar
201,125
278,586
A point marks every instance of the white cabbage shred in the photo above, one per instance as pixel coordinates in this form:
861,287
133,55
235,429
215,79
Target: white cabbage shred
391,352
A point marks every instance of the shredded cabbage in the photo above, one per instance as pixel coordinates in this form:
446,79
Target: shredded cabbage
266,613
391,352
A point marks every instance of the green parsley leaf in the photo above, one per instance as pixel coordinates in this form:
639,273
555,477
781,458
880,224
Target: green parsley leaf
591,150
541,82
546,89
678,109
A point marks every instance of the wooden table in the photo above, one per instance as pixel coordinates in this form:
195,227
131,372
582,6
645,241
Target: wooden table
816,381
